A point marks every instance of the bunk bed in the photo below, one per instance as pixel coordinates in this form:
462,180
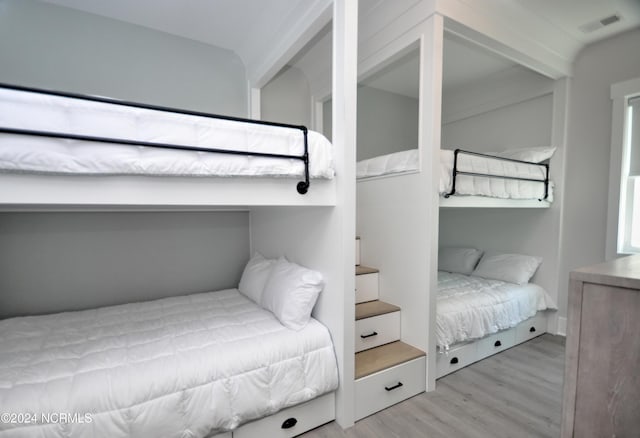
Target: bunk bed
196,365
78,150
472,179
485,304
202,365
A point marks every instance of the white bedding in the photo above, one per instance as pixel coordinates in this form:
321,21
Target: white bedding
465,185
181,367
26,110
471,307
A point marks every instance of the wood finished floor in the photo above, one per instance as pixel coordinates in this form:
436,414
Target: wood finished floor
514,394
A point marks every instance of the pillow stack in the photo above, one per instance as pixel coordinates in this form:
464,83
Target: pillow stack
512,268
286,289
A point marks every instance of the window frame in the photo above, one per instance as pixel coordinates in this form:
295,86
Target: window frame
621,185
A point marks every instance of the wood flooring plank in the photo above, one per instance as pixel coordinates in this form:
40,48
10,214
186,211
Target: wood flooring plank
515,393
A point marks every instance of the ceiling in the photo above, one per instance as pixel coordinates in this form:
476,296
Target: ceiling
237,25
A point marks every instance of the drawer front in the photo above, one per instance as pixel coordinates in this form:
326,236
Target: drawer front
531,328
377,330
366,287
457,358
381,390
357,252
291,421
496,342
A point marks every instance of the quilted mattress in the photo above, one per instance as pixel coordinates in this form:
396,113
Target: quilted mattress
408,161
471,307
27,110
187,366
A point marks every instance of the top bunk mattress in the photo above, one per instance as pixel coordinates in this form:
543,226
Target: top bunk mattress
181,366
470,307
494,187
35,111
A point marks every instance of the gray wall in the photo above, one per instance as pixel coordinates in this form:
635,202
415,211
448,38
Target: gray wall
52,262
387,123
526,124
48,46
287,98
589,142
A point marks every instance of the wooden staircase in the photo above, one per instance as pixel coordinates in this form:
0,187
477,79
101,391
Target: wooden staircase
387,370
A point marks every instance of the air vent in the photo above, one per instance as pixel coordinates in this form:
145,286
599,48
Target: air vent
595,25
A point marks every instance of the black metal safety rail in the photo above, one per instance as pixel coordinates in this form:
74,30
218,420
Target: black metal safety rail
457,172
302,186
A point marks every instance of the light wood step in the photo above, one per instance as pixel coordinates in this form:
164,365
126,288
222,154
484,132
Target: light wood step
383,357
363,270
374,308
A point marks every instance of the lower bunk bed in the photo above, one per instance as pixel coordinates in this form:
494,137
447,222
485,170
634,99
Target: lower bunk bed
203,365
477,316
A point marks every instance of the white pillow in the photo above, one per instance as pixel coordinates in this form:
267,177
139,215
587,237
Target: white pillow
460,260
512,268
534,155
255,276
291,292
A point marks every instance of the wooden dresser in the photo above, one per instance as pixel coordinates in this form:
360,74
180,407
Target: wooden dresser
602,371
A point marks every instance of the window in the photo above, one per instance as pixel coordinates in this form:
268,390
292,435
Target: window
629,212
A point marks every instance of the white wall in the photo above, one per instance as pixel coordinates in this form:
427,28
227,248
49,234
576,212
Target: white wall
48,46
286,98
387,123
589,141
51,262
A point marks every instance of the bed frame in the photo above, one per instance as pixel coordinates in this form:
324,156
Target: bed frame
457,172
465,353
302,186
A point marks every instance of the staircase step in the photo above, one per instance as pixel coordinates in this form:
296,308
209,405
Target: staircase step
384,357
363,270
374,308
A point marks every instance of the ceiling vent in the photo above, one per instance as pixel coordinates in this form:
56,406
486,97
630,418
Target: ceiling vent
598,24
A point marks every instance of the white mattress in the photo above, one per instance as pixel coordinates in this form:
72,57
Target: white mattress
471,307
465,185
492,187
389,164
26,110
176,367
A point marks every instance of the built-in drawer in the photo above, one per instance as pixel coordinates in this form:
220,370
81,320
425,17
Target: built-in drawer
385,388
495,343
457,357
366,287
377,330
291,421
531,328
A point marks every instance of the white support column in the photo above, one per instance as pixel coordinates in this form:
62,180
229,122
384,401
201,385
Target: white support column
431,60
344,92
254,103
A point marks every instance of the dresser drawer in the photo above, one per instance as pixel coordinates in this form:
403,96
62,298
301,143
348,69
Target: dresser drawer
458,357
291,421
385,388
366,287
377,330
531,328
496,342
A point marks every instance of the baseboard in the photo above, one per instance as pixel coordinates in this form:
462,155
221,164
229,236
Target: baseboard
562,326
